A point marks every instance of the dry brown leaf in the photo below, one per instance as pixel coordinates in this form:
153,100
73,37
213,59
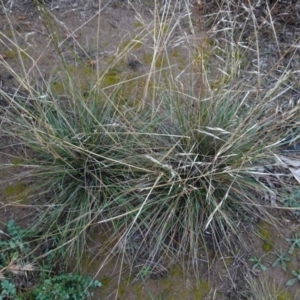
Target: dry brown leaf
3,56
93,63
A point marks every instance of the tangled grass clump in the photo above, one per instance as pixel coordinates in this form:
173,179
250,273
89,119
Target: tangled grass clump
195,172
209,165
162,174
82,162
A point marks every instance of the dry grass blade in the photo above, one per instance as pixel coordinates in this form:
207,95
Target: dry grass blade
17,268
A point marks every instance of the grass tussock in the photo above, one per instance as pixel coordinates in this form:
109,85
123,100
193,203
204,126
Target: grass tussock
262,288
183,167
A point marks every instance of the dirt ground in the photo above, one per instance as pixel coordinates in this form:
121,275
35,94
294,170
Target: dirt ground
126,24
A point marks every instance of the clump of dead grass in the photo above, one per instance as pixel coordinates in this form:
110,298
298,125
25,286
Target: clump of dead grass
264,288
16,268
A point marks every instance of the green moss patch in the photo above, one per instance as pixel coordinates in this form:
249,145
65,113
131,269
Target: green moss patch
17,192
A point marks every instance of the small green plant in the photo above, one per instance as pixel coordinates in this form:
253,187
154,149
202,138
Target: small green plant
257,263
66,286
293,201
8,290
12,247
16,238
294,280
295,242
16,254
281,259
